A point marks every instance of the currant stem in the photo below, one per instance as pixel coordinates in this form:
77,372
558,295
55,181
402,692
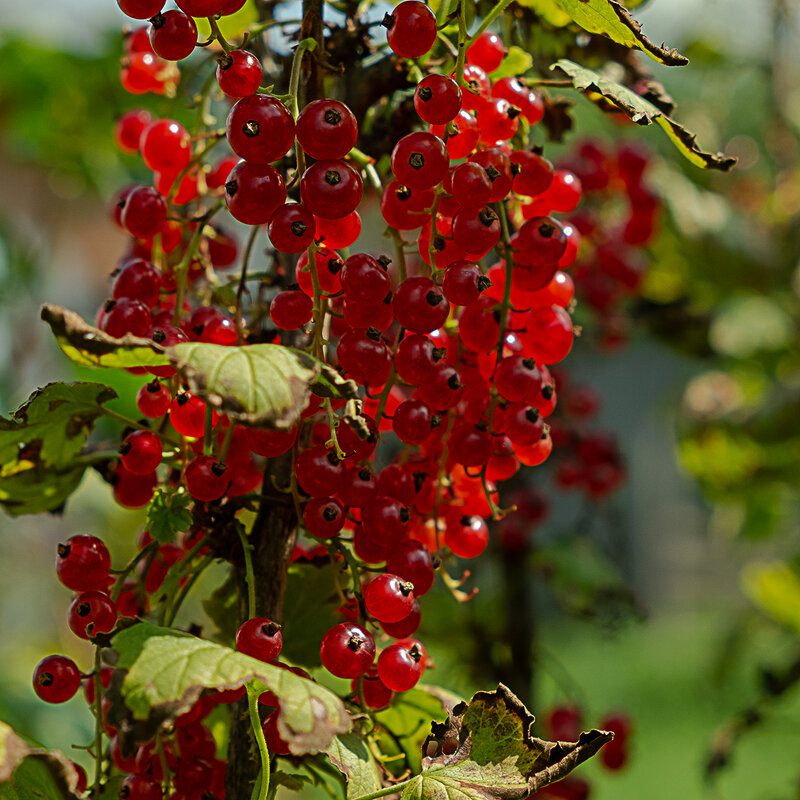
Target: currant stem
131,423
248,565
248,248
332,425
505,304
226,442
149,548
489,19
462,42
208,431
196,573
217,34
387,388
98,724
318,313
393,789
261,742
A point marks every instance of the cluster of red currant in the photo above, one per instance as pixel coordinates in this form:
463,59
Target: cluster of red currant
450,343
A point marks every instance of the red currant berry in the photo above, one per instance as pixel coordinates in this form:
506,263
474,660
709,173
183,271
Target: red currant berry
419,305
365,356
271,444
389,598
386,520
413,421
129,127
412,561
443,389
467,537
465,137
347,650
324,517
404,208
498,120
144,213
56,679
400,666
411,29
140,787
416,358
365,279
376,695
498,167
420,159
517,379
140,9
92,613
83,563
260,129
201,8
292,228
469,445
166,146
139,280
463,283
358,486
291,309
239,73
486,51
477,229
206,478
141,452
331,189
260,638
187,412
153,399
327,129
133,491
437,99
534,173
254,191
319,471
173,35
405,627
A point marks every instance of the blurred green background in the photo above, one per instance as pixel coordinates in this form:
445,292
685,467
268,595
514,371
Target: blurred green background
704,402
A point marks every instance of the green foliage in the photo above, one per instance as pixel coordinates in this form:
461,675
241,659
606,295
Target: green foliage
642,112
28,773
486,750
309,611
41,442
167,671
516,62
351,755
168,514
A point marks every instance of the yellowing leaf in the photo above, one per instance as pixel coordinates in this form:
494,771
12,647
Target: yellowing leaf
611,19
775,588
167,671
642,112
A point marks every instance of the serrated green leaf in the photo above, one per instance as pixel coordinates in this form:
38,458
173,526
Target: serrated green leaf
261,384
307,616
39,444
516,62
350,754
168,514
495,755
88,345
642,112
33,773
167,671
611,19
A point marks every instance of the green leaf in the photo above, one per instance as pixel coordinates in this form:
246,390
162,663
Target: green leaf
350,754
88,345
307,615
485,751
611,19
168,514
775,588
33,773
329,383
167,671
516,62
261,384
548,10
40,442
293,781
642,112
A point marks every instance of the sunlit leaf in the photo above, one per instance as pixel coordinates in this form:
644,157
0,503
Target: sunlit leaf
610,18
167,671
642,112
775,588
91,347
516,62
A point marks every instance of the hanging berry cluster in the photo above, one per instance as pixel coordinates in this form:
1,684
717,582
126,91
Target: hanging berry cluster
449,337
